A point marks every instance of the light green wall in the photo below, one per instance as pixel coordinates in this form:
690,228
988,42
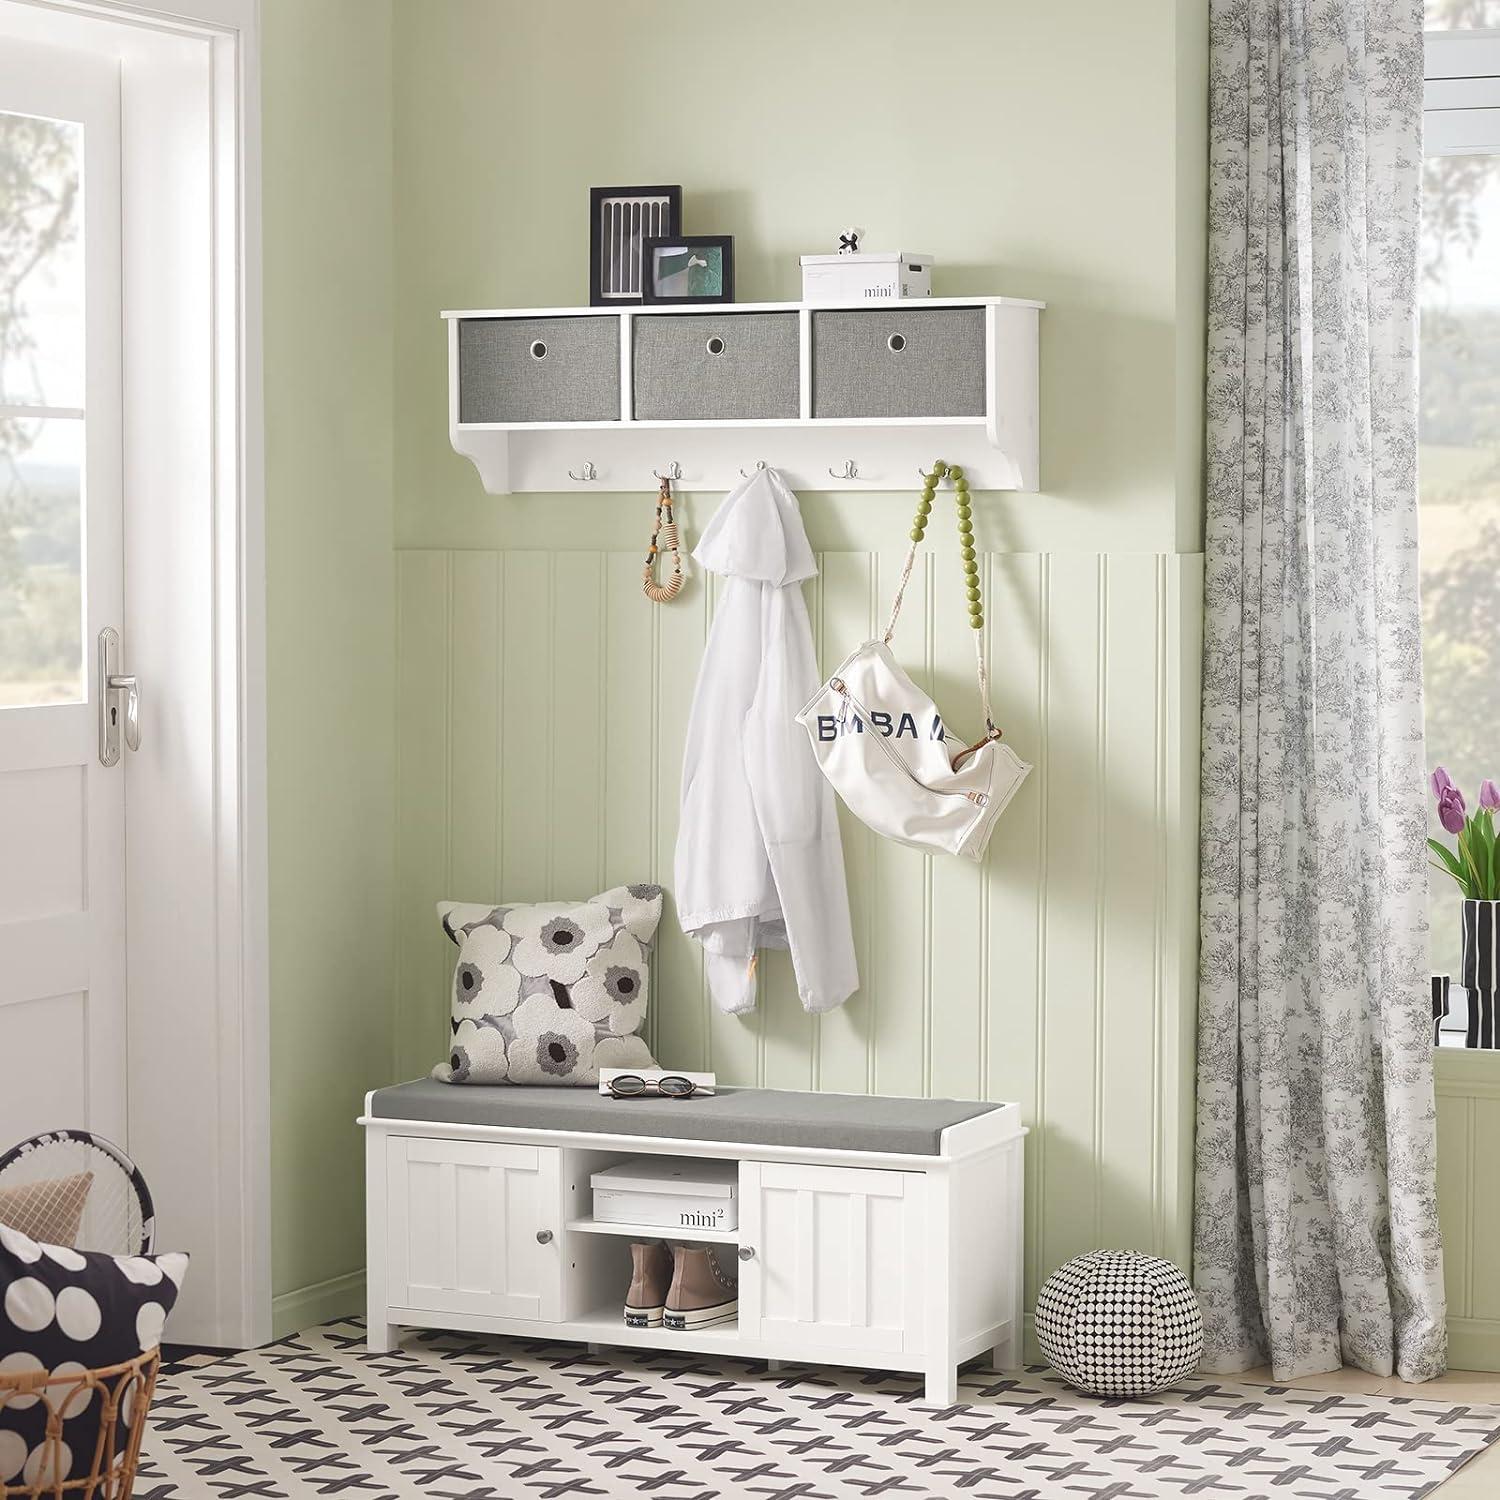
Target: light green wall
1048,151
1052,151
422,155
329,290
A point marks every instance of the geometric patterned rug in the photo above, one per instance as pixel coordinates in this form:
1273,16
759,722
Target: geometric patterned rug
458,1417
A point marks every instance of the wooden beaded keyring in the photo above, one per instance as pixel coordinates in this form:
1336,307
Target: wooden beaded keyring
663,539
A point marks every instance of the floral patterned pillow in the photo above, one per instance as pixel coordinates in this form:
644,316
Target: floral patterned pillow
550,994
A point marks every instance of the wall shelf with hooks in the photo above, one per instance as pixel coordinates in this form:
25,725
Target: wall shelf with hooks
832,394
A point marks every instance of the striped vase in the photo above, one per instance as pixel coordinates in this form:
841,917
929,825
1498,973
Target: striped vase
1480,974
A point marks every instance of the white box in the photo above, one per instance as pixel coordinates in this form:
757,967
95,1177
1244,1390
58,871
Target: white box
669,1192
869,276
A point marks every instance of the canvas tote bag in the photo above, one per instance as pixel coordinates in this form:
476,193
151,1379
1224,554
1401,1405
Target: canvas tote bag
881,740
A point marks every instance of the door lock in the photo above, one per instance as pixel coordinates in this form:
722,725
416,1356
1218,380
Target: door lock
119,701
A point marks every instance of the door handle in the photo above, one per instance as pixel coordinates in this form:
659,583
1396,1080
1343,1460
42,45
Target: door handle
132,726
119,701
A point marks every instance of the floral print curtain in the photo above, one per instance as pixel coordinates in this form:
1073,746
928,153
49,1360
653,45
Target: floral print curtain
1316,1240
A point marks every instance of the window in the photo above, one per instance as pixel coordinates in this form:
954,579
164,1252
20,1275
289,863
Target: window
1457,15
1459,430
41,411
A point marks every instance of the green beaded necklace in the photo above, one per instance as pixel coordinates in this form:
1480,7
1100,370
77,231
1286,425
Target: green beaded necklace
930,481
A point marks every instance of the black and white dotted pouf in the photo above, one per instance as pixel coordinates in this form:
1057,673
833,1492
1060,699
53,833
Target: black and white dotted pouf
1118,1323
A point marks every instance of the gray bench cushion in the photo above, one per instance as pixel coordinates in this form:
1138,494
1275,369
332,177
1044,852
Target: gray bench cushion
756,1117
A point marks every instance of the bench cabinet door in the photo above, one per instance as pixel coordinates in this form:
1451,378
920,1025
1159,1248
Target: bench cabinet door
473,1228
836,1257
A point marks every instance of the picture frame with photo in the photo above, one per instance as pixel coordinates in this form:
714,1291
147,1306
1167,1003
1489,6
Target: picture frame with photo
620,220
687,269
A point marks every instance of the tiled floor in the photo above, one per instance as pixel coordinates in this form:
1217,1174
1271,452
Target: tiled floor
1477,1480
456,1414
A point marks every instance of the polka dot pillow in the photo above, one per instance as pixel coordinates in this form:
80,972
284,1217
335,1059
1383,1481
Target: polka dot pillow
67,1311
550,994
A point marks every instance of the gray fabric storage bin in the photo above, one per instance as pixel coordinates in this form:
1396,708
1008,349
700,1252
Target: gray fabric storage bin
772,1117
705,367
937,370
539,369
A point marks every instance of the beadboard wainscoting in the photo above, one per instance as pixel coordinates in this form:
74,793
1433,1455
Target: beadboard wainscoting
1468,1113
543,704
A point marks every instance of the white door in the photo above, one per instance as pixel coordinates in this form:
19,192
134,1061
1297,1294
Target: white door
62,813
473,1227
836,1259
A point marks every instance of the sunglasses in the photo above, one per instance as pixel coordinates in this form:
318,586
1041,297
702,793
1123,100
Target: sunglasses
633,1086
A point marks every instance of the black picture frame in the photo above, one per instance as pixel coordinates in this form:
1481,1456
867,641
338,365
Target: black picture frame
651,296
614,247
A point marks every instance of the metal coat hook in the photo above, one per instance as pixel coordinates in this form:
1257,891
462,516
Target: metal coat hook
674,471
589,472
760,463
851,470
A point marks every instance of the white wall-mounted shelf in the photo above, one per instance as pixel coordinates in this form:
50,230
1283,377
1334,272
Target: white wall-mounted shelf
825,381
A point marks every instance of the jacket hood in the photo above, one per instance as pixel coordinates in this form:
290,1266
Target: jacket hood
757,533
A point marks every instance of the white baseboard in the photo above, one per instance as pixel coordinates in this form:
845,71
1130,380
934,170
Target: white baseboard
323,1301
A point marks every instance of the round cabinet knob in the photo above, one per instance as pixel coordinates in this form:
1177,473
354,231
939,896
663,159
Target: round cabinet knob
747,1252
544,1236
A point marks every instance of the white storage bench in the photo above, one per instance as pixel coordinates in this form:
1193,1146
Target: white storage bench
875,1232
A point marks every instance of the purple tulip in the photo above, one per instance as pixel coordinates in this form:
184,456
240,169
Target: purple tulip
1489,794
1441,781
1451,809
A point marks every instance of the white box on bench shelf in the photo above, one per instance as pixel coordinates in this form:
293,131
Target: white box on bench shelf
669,1192
878,1233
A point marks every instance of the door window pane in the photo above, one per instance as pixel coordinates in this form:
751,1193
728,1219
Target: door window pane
41,458
1460,490
41,262
41,556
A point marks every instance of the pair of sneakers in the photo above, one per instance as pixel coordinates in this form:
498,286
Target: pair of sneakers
677,1286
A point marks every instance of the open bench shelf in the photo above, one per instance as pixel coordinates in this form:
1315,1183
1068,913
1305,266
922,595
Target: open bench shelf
654,1232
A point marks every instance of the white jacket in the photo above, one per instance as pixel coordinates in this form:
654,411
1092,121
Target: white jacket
759,862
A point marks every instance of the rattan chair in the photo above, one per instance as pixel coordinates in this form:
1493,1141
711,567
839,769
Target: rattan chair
111,1474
